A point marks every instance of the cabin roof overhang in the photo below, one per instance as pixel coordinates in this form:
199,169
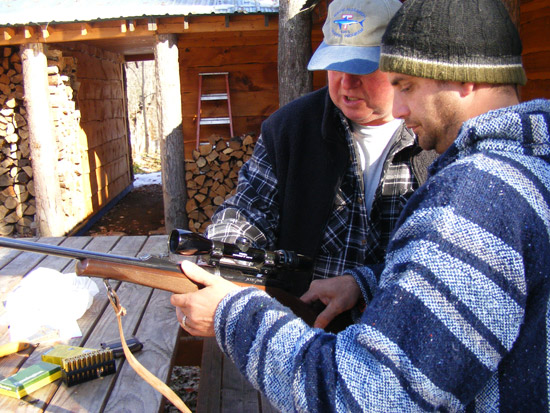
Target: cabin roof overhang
125,27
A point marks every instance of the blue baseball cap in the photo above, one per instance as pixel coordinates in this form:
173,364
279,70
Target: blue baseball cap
352,35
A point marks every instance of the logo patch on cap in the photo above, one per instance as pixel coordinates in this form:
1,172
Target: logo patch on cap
348,23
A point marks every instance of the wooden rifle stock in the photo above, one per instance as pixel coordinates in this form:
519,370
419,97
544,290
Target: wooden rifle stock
156,278
178,283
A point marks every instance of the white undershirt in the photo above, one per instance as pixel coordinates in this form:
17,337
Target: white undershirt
373,145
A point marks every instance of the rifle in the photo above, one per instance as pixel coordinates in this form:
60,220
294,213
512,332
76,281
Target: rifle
239,263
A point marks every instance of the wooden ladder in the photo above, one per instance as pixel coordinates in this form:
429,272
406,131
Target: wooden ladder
228,120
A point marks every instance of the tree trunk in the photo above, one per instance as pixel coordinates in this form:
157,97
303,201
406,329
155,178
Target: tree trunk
171,135
513,9
43,146
294,50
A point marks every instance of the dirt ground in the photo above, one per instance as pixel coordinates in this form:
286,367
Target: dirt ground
140,212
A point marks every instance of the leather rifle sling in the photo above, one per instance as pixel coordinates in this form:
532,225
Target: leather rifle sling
145,374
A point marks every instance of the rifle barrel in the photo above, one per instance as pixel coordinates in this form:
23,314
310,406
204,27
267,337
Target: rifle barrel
147,261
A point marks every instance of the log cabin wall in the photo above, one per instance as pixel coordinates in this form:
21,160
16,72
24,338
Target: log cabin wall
103,124
251,60
250,57
319,16
534,30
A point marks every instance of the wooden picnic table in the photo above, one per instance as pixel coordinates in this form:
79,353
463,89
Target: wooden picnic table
223,389
150,318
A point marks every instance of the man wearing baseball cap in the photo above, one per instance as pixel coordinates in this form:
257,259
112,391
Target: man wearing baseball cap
332,170
459,319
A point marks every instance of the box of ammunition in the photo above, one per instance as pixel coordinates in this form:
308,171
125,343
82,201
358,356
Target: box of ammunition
30,379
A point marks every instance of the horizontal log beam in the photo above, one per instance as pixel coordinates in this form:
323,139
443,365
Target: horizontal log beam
127,29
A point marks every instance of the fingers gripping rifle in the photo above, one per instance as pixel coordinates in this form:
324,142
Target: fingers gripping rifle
238,263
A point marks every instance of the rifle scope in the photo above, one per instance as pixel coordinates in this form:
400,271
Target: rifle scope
185,242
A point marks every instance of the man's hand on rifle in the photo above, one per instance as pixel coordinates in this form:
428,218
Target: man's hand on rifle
196,311
339,294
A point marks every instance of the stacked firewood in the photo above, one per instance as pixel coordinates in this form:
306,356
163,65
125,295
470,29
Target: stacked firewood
17,205
212,176
17,202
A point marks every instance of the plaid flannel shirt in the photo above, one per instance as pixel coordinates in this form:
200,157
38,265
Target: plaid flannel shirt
351,237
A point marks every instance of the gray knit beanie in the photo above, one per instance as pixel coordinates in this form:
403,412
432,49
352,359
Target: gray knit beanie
457,40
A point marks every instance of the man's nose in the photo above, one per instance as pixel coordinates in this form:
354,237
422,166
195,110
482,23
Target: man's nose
400,109
350,81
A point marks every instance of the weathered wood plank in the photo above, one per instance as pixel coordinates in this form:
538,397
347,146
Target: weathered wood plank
158,332
124,246
210,384
237,393
7,255
222,387
61,264
88,321
156,329
131,297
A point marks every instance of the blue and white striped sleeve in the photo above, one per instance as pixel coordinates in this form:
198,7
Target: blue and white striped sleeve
447,311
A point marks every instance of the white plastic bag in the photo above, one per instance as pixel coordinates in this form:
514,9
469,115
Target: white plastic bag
47,300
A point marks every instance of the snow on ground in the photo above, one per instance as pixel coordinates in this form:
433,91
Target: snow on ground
147,179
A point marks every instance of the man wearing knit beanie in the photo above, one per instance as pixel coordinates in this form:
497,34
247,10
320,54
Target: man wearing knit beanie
475,59
459,318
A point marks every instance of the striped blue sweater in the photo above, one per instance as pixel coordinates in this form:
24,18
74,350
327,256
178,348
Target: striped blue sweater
459,320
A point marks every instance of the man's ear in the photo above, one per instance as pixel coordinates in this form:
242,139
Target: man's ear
467,88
